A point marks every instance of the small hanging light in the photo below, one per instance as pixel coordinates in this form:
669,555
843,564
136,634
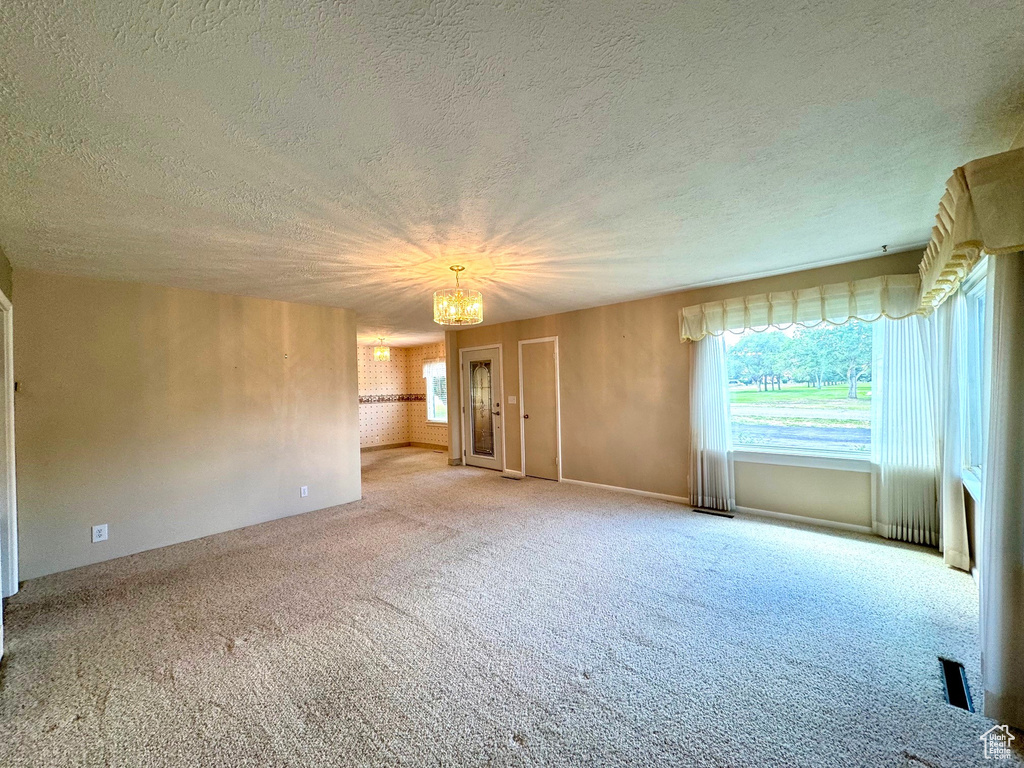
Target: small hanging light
458,306
382,354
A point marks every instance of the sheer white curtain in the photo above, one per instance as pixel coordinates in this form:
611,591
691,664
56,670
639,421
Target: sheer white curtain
951,412
905,449
711,473
1001,553
434,369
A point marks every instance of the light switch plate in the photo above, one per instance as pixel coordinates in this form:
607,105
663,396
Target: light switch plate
511,399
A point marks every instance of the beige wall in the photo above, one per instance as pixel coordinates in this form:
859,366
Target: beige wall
403,421
840,496
171,414
1018,140
6,275
625,395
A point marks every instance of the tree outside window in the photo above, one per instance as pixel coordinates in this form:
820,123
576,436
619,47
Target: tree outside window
437,390
802,389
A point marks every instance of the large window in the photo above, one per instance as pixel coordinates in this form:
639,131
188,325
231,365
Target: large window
437,391
802,390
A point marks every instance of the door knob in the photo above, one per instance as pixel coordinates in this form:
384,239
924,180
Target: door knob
526,415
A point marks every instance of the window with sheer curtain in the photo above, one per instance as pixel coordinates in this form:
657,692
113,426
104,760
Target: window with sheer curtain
974,295
800,373
436,375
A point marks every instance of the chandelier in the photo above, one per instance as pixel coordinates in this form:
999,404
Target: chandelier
381,354
458,306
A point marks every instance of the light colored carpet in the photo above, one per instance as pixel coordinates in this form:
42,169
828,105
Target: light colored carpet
453,617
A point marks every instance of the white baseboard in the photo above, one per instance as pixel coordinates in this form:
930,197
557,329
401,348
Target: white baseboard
806,520
634,491
513,473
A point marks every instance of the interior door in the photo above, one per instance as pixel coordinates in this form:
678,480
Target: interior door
539,408
481,387
8,494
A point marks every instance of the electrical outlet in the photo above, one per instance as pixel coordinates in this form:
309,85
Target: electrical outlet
304,491
99,533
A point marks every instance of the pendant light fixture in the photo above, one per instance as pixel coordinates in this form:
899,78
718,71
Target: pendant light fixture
458,306
381,354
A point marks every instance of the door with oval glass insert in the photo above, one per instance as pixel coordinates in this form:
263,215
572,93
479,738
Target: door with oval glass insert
481,387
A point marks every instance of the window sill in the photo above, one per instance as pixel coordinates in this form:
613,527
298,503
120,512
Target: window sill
973,485
437,423
811,460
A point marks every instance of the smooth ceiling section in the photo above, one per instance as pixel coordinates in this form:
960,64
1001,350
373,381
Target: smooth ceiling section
570,153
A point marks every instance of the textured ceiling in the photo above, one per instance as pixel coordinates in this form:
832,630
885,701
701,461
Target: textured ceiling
569,153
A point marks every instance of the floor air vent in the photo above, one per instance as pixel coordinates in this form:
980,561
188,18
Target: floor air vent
715,512
954,680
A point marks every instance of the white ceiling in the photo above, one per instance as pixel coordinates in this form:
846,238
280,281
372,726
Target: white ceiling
569,153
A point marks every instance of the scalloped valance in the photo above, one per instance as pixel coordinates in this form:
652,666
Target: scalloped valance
892,296
434,368
982,210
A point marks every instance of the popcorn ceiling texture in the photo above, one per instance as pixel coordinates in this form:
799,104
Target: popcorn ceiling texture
391,423
569,153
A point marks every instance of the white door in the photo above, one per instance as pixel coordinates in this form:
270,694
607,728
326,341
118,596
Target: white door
8,495
538,404
8,503
481,391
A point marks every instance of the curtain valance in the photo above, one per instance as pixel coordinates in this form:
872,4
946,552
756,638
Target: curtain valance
434,369
892,296
982,210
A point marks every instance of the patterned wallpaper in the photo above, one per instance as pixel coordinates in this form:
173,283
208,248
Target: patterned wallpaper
421,431
392,398
382,423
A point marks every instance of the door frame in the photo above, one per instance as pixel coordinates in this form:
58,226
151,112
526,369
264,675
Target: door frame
501,398
9,543
558,407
